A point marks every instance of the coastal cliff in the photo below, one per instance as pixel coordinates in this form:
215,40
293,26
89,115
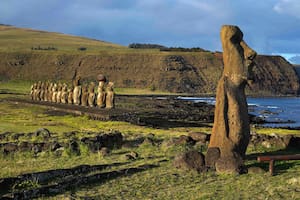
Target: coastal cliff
180,72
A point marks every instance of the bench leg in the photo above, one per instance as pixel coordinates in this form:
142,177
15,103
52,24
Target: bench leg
271,167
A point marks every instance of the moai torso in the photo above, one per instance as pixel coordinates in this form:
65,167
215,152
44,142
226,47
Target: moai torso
64,94
54,93
38,91
101,95
46,91
77,91
70,95
231,129
59,91
84,96
32,91
110,96
50,92
42,93
91,93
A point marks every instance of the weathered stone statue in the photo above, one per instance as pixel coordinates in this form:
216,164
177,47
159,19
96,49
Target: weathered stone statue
101,92
38,91
32,91
50,92
54,93
46,91
64,93
42,92
92,96
59,92
84,95
231,130
110,96
77,90
70,95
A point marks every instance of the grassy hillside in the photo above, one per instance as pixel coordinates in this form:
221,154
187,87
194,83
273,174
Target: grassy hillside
14,39
37,55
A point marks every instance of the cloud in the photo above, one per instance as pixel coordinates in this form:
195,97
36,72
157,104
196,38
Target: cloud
288,7
269,26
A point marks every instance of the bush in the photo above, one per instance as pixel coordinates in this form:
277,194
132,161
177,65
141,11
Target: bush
145,46
82,49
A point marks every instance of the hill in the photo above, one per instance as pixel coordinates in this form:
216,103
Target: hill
37,55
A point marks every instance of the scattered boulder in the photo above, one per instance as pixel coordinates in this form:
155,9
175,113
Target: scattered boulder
74,147
17,136
43,132
199,137
9,148
104,151
274,140
55,145
25,146
37,148
294,142
184,140
256,170
212,155
230,164
191,160
111,140
148,141
132,155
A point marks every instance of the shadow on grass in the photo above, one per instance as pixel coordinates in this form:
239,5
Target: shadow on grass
53,182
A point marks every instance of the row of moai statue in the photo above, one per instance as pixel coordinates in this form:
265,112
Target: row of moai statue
77,94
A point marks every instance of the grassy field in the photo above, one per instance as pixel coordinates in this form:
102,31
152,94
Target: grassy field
161,182
14,39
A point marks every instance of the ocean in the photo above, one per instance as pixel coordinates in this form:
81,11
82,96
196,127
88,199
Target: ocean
277,111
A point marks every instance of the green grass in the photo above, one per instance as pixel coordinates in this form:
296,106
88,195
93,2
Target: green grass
17,39
14,39
162,182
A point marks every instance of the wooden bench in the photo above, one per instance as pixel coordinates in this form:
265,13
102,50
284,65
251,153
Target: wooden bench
271,160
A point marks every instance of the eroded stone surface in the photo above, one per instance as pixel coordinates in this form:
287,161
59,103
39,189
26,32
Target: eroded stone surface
231,130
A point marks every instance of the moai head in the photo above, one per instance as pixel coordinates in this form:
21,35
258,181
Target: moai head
110,86
64,87
39,85
101,78
59,86
237,55
85,88
77,81
91,87
54,87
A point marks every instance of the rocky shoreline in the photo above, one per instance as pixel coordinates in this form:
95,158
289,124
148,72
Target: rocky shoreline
157,111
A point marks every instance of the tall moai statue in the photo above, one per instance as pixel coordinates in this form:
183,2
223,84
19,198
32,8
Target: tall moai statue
70,95
101,91
54,93
84,95
64,93
92,96
231,129
110,96
33,86
59,92
46,91
38,91
42,93
77,90
49,97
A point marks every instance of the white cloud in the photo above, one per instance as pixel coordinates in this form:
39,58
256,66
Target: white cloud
288,7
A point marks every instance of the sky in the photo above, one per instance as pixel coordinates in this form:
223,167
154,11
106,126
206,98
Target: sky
269,26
